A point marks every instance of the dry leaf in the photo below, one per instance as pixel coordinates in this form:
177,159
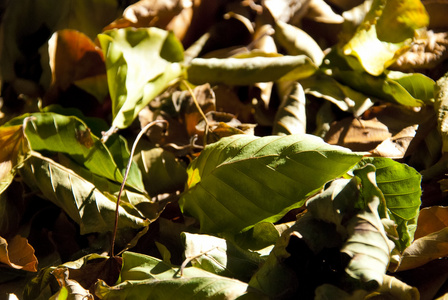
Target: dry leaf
430,220
18,254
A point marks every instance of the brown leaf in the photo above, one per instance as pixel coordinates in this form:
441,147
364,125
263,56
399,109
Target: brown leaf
18,254
73,57
425,249
174,15
397,145
357,134
430,220
15,149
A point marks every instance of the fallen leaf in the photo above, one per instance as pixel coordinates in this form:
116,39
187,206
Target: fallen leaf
430,220
18,254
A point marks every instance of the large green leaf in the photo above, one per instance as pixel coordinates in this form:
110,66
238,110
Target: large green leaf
69,135
385,33
243,180
91,208
401,187
140,64
146,277
246,71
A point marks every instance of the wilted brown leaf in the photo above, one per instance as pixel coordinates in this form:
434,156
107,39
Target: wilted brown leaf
72,289
18,254
430,220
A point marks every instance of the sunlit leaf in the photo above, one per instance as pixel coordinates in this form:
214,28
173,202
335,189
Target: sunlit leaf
17,253
297,42
291,115
146,277
400,185
441,106
66,134
389,89
88,206
219,256
393,288
245,71
15,150
385,33
243,180
140,64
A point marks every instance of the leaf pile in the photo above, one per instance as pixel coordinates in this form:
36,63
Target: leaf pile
289,143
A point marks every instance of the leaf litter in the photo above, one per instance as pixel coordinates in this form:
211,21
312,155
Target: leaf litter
230,194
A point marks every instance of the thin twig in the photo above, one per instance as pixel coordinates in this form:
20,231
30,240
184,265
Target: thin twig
187,260
207,124
128,167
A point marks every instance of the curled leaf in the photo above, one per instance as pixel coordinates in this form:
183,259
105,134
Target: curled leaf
17,253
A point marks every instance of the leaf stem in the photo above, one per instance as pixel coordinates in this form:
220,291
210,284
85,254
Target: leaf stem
128,167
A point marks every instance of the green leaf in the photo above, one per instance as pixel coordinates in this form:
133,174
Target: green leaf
219,256
291,115
246,71
69,135
92,209
140,64
385,33
243,180
146,277
15,149
401,187
389,89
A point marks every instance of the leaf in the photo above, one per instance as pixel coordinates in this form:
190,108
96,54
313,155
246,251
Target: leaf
387,28
401,186
291,115
343,96
219,256
246,71
389,89
441,107
15,150
88,206
146,275
70,289
17,253
69,135
72,57
162,173
297,42
140,64
393,288
243,180
425,249
431,219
